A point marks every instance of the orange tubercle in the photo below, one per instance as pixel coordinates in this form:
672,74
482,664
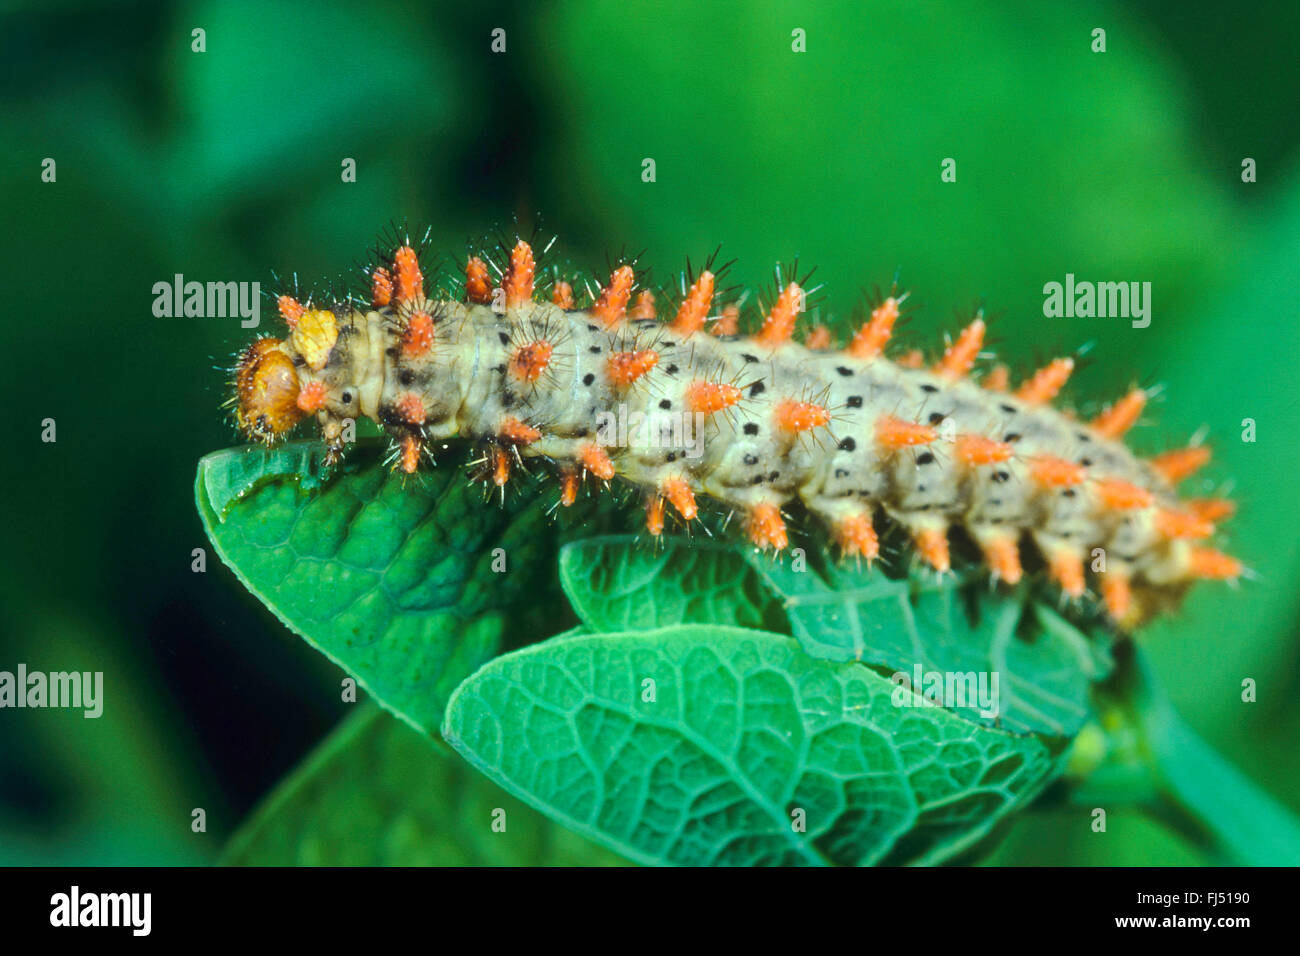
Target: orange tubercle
500,466
870,340
518,280
976,450
1046,382
478,283
818,338
1066,569
893,432
1003,556
529,361
645,305
596,460
1122,495
728,323
778,327
1181,525
312,397
291,310
932,546
419,334
409,458
695,307
562,295
409,281
710,397
1213,565
1116,420
1052,472
624,368
1211,509
766,527
612,304
856,537
568,487
679,494
381,287
960,356
1181,463
1117,593
911,359
997,379
513,430
411,409
800,416
654,515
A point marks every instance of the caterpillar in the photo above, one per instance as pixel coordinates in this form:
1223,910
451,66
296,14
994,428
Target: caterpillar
858,439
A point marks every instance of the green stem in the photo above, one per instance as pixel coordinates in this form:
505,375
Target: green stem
1246,825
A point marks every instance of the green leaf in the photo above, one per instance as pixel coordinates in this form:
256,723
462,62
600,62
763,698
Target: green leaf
1045,666
390,577
376,793
617,583
744,731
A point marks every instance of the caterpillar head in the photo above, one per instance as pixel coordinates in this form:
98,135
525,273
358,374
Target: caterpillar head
266,384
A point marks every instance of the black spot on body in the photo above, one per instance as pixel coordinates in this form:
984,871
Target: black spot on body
937,417
855,401
588,379
925,458
671,369
846,372
751,428
1009,409
927,387
406,376
505,339
594,349
847,444
751,459
1013,437
666,404
756,389
748,358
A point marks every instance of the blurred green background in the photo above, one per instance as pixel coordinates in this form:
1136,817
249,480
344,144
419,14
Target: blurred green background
225,165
